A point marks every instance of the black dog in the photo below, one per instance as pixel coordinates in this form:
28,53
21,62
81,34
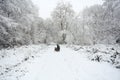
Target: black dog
57,48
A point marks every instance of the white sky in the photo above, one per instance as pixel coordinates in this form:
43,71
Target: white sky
47,6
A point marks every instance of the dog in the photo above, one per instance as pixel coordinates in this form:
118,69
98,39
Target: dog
57,49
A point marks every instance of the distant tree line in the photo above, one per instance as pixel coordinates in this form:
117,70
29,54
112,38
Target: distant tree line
20,24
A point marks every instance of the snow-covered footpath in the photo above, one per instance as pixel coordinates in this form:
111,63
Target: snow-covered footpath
41,62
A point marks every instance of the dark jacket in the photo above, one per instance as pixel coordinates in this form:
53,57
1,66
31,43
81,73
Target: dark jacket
57,48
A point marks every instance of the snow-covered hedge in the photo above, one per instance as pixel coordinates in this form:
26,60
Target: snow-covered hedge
101,53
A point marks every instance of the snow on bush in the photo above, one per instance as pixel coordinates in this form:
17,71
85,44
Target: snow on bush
101,53
11,60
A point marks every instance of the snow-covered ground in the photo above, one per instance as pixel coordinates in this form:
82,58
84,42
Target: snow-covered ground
41,62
